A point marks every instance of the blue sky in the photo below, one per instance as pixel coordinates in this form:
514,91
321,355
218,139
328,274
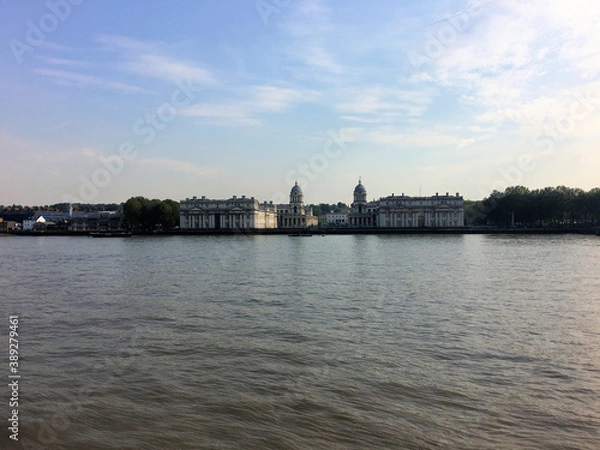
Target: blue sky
104,100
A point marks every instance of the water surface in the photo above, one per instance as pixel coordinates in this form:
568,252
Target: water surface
338,342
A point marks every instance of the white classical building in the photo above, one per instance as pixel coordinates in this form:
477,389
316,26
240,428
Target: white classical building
402,211
339,219
294,214
229,214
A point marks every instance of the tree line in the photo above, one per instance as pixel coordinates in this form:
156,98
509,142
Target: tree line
140,213
559,206
84,207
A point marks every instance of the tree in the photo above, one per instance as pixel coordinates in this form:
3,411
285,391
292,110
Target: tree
173,216
144,214
550,206
132,210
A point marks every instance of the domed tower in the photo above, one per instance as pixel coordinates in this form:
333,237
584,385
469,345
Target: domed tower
360,197
297,199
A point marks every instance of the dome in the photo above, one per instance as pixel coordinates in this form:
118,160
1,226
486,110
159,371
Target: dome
296,189
360,189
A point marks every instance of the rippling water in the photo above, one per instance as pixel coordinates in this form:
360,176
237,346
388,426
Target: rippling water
337,342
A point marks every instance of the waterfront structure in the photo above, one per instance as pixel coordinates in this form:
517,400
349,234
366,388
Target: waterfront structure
362,213
37,221
295,214
337,219
402,211
42,219
75,221
96,221
8,225
226,214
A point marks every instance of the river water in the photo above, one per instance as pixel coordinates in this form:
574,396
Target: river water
277,342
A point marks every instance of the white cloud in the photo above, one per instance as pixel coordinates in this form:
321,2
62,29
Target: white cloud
148,59
63,77
169,69
112,42
308,33
254,101
405,140
65,62
462,143
383,103
174,165
222,114
577,104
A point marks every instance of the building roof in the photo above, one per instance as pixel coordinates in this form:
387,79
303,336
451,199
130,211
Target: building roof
360,189
296,189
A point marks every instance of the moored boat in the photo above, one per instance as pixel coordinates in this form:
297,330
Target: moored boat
109,234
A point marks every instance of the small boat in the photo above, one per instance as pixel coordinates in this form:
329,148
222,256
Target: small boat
108,234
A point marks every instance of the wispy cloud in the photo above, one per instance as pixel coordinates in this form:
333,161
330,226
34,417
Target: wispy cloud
383,103
406,139
65,62
174,165
63,77
148,59
250,105
308,31
168,69
112,42
511,50
233,114
53,128
462,143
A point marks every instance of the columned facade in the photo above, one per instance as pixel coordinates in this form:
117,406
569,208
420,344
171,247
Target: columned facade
230,214
294,214
362,213
402,211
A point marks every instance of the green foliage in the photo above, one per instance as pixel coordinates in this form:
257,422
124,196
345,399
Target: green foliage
325,208
474,214
87,207
84,207
548,207
143,214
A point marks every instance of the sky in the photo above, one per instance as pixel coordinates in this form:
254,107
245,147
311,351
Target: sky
105,100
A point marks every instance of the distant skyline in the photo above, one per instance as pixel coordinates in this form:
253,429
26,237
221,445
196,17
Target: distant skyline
102,101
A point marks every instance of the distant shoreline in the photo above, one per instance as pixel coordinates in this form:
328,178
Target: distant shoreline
326,231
